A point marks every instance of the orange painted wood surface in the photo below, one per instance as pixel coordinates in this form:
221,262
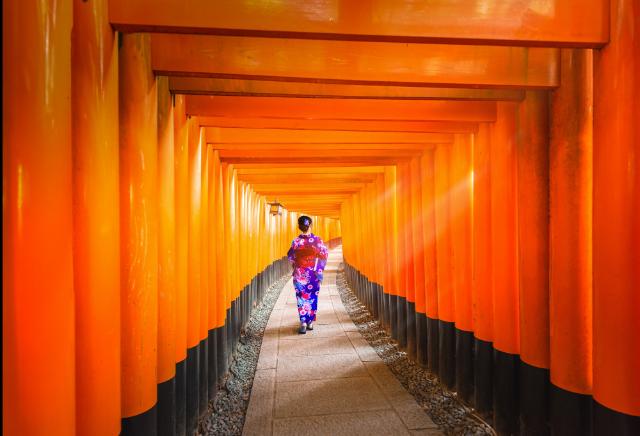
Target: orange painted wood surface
616,201
194,255
38,317
533,228
442,188
181,162
166,236
354,63
570,228
460,211
289,121
481,263
504,265
280,88
138,226
417,234
96,219
319,108
523,22
429,233
272,138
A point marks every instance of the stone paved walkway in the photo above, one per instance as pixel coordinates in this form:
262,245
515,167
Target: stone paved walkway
329,381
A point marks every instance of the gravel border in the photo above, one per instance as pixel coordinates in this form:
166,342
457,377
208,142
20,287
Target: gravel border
445,409
226,412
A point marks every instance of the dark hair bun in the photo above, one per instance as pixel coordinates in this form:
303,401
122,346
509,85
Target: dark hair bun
304,222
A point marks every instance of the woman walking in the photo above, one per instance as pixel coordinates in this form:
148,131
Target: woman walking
308,256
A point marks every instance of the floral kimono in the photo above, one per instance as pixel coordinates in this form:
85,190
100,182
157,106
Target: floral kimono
308,255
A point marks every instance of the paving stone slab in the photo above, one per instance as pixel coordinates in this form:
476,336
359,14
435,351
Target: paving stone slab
315,346
364,350
290,332
296,368
330,396
380,422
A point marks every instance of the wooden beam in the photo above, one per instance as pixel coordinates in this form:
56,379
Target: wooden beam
310,178
577,23
335,147
314,161
264,88
354,63
225,137
320,108
292,188
341,125
294,169
311,153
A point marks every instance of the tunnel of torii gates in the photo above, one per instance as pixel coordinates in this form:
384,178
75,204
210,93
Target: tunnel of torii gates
478,161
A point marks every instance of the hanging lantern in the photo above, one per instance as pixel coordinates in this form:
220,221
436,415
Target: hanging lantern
275,208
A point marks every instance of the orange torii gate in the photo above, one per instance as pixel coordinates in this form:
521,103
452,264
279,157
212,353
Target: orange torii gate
488,150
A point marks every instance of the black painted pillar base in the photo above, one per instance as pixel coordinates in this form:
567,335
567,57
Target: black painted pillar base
422,343
610,422
144,424
193,388
223,352
446,354
402,322
534,400
411,330
204,377
229,324
374,300
483,375
167,408
181,398
570,413
237,326
212,379
433,344
384,309
393,318
505,393
464,365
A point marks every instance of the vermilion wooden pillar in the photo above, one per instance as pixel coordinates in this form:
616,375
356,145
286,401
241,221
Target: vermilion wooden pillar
616,225
446,297
166,263
504,267
461,220
181,201
417,233
194,273
403,255
38,322
410,259
391,221
482,293
213,255
430,270
96,219
222,350
533,260
138,235
204,275
570,230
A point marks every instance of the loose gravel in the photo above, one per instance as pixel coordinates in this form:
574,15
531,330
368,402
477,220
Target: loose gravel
445,409
226,412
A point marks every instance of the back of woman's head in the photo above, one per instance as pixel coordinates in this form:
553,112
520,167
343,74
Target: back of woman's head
304,222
